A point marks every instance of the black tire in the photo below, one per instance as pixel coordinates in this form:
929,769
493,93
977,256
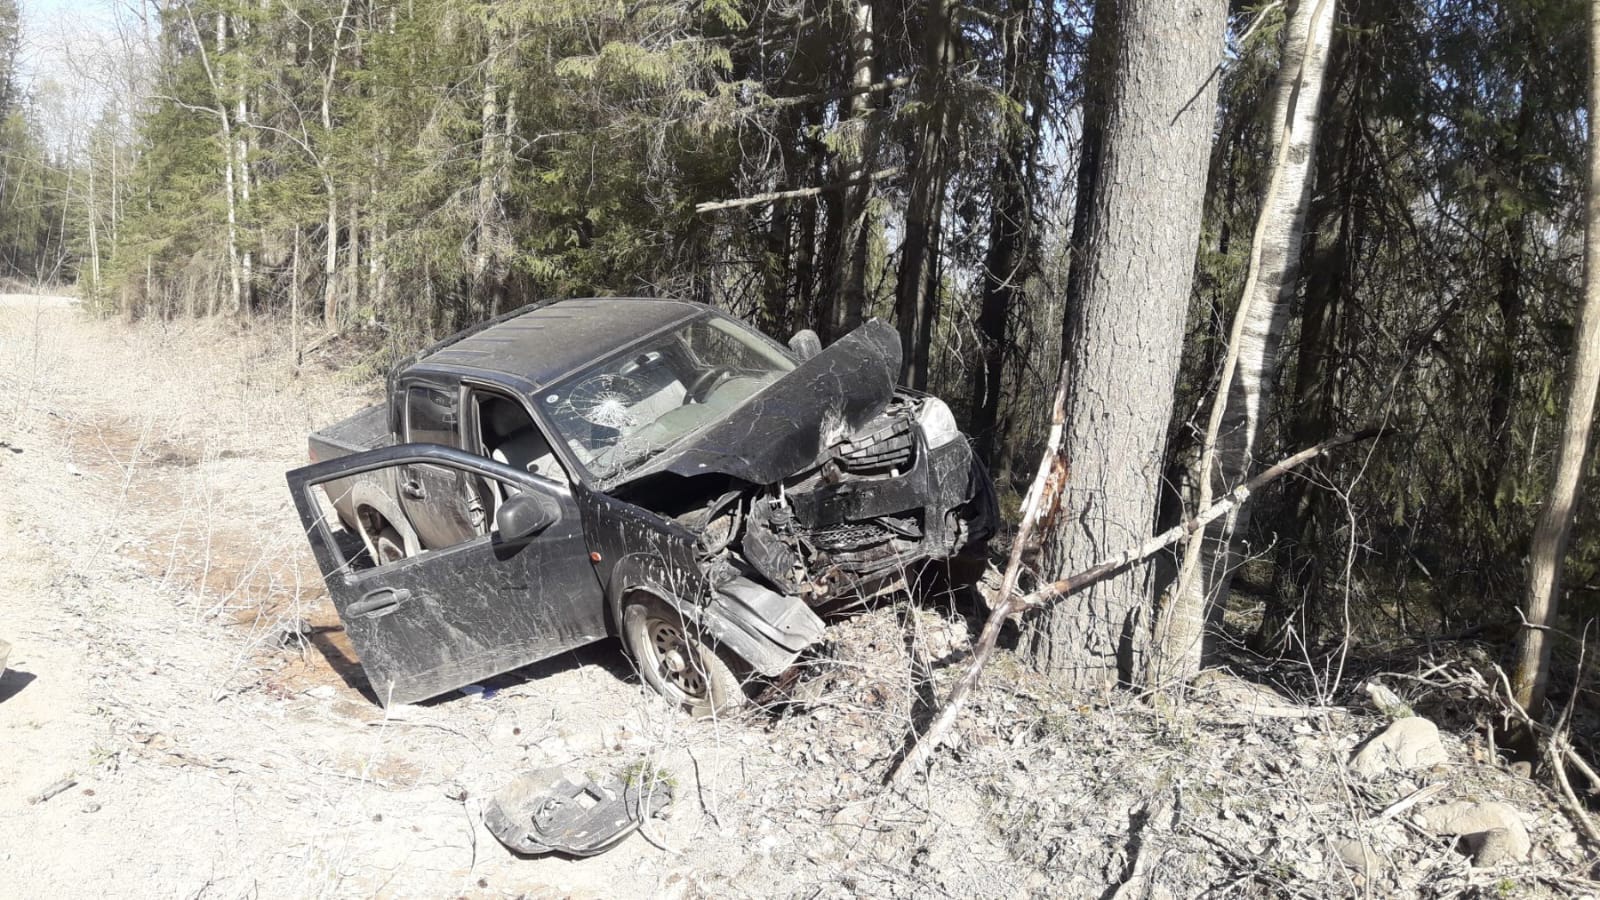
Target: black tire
676,662
389,546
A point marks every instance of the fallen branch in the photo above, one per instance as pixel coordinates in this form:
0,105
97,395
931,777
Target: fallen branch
916,759
1410,800
1554,750
53,790
773,197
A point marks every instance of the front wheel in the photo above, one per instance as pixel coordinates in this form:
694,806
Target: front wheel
676,661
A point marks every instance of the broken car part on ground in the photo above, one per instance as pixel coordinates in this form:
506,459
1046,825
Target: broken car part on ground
560,811
648,468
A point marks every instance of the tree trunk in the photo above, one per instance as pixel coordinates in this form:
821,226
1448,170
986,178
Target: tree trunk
1125,333
487,200
1550,537
330,266
294,300
859,156
229,188
1011,254
1251,370
91,215
242,153
916,300
1097,75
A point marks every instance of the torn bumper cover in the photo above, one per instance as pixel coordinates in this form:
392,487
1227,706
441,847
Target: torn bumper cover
765,628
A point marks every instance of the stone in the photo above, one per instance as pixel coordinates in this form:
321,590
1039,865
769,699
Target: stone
1231,692
1358,856
1409,743
1493,847
1492,832
1387,701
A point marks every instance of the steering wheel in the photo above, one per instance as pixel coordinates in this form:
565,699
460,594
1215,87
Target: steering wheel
705,383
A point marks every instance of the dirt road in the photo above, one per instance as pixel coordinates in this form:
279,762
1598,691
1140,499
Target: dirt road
149,558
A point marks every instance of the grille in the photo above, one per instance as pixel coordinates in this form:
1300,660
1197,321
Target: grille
855,535
850,535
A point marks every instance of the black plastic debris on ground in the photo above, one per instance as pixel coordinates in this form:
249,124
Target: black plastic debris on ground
560,811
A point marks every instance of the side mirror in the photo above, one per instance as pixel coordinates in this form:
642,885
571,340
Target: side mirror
805,344
525,515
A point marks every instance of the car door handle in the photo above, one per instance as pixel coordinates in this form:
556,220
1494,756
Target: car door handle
413,490
380,602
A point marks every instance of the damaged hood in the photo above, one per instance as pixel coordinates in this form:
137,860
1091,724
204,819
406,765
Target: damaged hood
789,425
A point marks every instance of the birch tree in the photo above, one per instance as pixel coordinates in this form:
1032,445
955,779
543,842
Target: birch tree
1550,537
1250,372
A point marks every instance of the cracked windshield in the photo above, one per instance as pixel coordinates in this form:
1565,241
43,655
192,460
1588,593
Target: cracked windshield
622,412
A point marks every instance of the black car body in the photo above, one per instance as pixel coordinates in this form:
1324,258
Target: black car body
647,467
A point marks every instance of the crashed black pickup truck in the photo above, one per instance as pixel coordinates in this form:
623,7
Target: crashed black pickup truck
648,468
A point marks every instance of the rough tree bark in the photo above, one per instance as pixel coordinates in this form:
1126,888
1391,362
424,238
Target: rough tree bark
1098,71
1250,371
1549,548
1125,332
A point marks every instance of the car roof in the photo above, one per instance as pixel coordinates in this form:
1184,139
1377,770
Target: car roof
542,343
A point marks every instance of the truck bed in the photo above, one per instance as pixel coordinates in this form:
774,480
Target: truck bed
366,430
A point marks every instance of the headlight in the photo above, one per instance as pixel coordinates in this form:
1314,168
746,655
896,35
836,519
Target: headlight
938,423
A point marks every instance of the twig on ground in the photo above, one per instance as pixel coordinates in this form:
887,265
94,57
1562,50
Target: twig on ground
54,789
1410,800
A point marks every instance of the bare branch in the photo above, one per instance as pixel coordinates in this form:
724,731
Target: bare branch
916,759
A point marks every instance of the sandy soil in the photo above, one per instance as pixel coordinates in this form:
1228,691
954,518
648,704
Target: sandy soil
149,559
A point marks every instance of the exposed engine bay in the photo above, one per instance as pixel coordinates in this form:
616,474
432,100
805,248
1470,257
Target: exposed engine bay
898,491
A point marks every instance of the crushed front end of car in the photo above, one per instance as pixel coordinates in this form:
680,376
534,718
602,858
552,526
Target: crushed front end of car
830,484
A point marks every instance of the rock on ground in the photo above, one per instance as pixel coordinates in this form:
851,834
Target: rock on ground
1493,832
1409,743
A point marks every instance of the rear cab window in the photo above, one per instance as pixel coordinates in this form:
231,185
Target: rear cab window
432,415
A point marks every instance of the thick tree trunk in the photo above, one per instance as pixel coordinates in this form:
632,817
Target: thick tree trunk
1250,373
1125,333
916,299
1550,537
1098,72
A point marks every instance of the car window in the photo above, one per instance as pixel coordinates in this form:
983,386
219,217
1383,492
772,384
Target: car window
431,415
620,412
507,434
370,529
